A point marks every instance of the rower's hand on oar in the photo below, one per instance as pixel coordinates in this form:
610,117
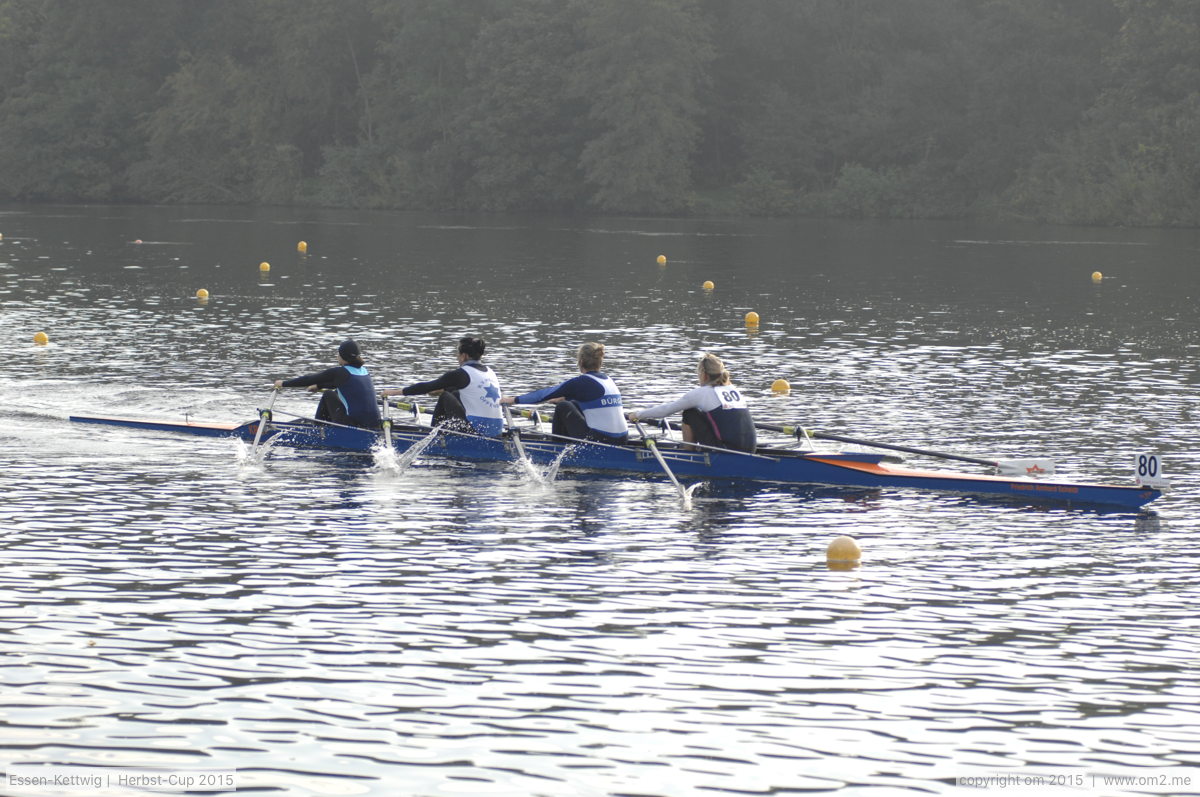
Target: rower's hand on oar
632,417
508,400
277,384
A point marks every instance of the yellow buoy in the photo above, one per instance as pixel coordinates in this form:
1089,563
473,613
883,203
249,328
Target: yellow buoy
302,247
1097,276
202,294
708,285
751,319
780,386
843,549
264,266
662,260
41,338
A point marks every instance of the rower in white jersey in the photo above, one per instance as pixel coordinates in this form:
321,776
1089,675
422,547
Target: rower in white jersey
470,394
588,406
714,414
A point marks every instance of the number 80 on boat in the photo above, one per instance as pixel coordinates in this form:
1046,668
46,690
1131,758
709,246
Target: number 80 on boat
1148,472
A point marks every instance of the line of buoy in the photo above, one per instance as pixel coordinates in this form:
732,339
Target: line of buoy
264,266
1097,276
202,294
752,321
302,247
41,338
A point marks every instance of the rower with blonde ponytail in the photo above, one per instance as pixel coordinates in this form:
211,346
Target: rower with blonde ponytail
714,414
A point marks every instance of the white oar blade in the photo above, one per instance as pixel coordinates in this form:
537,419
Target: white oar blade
1025,467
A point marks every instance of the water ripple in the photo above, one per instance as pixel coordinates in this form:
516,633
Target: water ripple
330,625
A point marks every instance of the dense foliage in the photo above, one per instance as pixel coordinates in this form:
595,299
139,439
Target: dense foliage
1084,111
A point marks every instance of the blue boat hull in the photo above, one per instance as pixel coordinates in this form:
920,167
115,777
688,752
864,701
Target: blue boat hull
769,465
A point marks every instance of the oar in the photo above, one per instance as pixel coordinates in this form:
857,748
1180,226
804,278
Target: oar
516,438
410,406
685,494
1008,466
264,417
386,422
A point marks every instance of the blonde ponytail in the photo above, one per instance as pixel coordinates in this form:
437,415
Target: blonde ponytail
714,369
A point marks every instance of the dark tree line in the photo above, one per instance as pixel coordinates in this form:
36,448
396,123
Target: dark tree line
1077,111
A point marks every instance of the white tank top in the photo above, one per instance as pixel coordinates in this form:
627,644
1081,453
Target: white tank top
605,413
481,399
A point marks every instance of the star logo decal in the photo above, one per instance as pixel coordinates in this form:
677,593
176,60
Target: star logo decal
491,394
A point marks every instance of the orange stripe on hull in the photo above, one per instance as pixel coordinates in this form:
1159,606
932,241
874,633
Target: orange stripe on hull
887,470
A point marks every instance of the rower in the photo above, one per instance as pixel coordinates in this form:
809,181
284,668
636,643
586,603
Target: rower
588,406
468,396
349,395
714,414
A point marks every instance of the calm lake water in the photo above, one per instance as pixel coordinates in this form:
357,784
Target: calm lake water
328,628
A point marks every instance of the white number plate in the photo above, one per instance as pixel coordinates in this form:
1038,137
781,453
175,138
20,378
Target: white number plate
1148,471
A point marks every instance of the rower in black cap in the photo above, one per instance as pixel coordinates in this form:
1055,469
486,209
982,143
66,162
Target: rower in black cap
349,396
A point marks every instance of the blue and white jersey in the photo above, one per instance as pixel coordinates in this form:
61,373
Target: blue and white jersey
597,396
605,413
481,398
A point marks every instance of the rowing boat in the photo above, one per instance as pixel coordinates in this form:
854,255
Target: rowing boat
768,465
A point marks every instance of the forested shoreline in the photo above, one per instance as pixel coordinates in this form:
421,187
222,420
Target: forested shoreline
1063,111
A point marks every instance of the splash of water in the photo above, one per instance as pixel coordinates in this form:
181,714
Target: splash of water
246,456
552,472
532,473
529,471
387,458
685,497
